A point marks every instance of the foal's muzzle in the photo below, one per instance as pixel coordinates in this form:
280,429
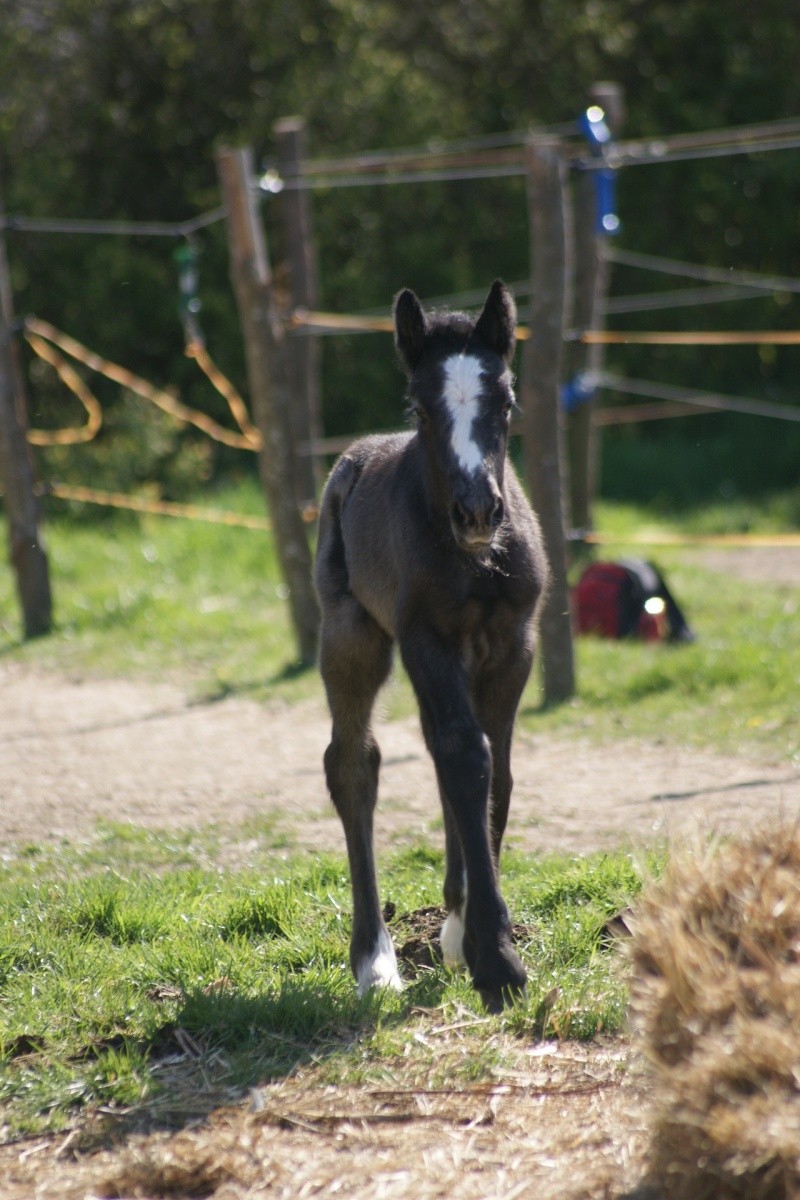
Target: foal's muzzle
475,523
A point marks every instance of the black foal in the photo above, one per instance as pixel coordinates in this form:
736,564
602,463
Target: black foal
426,539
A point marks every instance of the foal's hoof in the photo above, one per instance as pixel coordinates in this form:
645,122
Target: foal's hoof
379,970
392,983
504,984
451,939
495,1001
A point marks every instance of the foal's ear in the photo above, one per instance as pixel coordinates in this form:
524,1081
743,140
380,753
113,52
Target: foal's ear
497,324
410,328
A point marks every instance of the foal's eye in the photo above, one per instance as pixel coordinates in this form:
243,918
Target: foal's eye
507,407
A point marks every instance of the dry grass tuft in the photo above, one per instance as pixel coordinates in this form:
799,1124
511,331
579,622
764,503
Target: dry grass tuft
716,996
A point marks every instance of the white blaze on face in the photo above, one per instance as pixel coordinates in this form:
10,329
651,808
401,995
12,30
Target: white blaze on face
463,382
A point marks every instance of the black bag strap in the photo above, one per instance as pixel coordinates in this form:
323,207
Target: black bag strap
652,583
679,630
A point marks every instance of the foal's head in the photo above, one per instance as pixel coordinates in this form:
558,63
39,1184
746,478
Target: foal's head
460,391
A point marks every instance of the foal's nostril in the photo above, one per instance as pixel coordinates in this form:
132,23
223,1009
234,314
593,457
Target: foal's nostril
479,521
461,517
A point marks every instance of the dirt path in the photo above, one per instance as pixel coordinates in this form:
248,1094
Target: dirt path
75,753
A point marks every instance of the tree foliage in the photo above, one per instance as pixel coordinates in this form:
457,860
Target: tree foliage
113,109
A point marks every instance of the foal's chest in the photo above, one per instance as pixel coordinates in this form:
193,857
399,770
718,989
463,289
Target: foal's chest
484,632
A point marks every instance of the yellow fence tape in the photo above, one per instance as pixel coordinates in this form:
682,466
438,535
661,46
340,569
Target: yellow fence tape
94,413
159,508
247,439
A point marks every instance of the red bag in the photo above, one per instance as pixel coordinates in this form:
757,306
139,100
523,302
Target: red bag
627,599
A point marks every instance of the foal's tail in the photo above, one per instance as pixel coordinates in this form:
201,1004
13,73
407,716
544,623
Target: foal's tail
331,567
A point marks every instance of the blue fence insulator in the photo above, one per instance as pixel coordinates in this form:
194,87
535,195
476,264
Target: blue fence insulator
593,124
577,391
605,182
599,137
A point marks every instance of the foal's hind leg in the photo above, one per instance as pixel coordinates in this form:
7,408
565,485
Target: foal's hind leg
455,888
355,659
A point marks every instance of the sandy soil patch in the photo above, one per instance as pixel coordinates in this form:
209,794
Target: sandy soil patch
75,753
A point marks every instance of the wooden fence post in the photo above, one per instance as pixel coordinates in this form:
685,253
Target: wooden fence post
270,392
541,379
592,277
26,550
290,143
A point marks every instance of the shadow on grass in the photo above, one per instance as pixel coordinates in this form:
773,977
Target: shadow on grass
15,643
224,689
292,671
222,1044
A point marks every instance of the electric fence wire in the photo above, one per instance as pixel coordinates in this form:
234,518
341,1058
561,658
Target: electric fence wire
381,167
176,229
369,160
699,399
272,182
645,154
614,306
728,284
673,266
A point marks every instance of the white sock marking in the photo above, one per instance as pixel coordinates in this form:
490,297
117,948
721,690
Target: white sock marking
380,969
463,381
451,939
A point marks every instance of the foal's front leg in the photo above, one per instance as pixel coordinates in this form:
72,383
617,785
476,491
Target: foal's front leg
463,762
355,658
497,692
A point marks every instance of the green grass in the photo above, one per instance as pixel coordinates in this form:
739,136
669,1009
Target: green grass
106,970
164,598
